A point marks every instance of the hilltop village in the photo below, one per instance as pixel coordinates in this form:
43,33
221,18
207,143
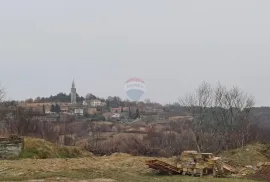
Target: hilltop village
94,108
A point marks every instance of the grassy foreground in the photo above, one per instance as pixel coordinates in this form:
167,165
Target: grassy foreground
121,167
43,160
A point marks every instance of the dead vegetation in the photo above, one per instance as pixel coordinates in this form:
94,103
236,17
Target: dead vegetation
248,155
41,149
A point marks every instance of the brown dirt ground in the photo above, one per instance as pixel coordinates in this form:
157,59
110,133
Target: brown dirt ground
262,174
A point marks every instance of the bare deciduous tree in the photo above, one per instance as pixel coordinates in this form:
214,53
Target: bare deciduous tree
94,132
198,104
3,111
221,116
232,114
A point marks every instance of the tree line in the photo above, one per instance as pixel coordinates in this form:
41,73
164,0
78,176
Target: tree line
60,97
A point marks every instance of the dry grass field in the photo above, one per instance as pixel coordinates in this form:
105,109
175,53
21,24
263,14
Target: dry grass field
117,167
60,164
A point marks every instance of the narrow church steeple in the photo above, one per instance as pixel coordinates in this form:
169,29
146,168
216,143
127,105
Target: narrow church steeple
73,93
73,83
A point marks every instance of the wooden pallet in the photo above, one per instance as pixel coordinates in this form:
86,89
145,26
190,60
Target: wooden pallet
163,167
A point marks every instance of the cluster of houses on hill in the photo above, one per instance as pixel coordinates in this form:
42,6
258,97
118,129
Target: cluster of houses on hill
95,107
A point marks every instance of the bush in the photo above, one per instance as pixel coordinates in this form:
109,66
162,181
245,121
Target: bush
41,149
98,118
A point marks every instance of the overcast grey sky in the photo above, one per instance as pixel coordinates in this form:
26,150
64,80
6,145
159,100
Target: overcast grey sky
173,45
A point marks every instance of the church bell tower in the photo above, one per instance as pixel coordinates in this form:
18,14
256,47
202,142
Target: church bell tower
73,93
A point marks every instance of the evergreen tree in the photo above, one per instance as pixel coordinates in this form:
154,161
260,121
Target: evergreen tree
43,109
90,96
137,113
52,108
129,112
57,108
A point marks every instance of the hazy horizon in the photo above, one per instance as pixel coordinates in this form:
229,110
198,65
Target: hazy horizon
172,45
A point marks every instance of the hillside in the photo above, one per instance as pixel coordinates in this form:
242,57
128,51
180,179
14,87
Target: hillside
81,165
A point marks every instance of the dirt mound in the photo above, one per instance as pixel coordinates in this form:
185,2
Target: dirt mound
42,149
248,155
262,174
